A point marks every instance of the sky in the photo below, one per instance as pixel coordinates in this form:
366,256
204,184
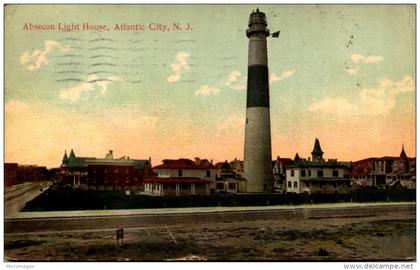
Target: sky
342,73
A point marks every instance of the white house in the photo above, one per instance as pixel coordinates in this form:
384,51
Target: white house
181,177
318,175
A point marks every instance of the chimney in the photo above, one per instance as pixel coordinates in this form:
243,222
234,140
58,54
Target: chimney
197,160
109,155
211,161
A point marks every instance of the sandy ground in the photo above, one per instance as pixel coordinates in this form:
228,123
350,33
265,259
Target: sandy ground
389,236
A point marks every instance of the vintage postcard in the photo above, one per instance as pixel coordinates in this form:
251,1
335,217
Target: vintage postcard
210,133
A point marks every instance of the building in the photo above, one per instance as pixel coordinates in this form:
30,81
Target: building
257,152
117,173
238,167
362,173
54,175
181,177
385,172
32,173
224,170
382,171
10,174
279,173
227,180
390,170
318,175
107,173
15,174
401,167
412,173
73,170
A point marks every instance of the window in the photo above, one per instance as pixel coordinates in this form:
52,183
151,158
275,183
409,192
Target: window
295,184
292,173
303,173
208,173
232,186
289,184
335,173
320,173
309,173
179,173
220,186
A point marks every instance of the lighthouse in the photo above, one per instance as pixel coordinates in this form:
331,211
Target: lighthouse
257,152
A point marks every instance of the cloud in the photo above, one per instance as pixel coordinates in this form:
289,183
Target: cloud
173,78
382,99
181,64
206,90
352,71
358,58
371,101
35,59
233,76
283,76
336,105
92,84
236,81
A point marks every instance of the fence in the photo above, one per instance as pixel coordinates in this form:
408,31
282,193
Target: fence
61,200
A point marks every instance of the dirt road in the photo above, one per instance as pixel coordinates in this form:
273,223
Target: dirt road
15,197
349,233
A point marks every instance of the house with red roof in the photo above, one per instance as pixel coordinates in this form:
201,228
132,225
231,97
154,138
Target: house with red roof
385,171
362,172
279,173
181,177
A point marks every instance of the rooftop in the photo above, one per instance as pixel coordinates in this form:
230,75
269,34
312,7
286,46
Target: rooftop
184,163
73,161
175,180
320,164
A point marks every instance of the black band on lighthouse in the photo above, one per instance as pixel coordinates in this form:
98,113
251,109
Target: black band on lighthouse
257,92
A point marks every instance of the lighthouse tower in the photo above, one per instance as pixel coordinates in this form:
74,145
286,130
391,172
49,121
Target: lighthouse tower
257,160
